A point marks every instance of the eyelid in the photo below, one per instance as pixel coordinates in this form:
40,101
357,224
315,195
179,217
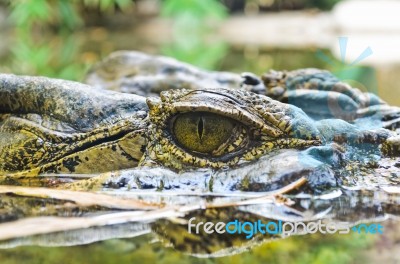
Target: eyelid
233,111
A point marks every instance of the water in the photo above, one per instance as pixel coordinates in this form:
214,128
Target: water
138,242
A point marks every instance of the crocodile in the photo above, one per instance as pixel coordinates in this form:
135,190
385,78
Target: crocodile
153,123
61,127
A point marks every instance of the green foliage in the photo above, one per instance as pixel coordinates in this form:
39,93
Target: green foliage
106,5
193,22
26,14
201,55
322,4
200,9
45,42
61,13
54,59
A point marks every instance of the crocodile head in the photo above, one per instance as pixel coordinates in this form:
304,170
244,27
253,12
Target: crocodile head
52,126
220,127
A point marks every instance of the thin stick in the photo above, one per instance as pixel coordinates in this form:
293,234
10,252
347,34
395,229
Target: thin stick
272,197
80,198
46,225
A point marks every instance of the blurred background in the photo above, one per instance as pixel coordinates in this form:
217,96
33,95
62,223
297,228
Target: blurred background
358,40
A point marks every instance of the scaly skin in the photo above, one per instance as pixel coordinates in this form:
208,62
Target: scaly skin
54,126
48,142
267,125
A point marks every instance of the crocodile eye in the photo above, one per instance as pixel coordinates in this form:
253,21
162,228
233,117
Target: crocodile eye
205,133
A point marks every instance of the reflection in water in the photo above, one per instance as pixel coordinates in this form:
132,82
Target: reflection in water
149,239
313,249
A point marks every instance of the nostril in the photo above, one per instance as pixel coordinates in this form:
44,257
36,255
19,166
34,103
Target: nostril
250,78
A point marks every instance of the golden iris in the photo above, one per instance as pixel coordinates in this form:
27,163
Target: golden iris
202,132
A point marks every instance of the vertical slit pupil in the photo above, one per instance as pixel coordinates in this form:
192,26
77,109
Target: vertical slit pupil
200,127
